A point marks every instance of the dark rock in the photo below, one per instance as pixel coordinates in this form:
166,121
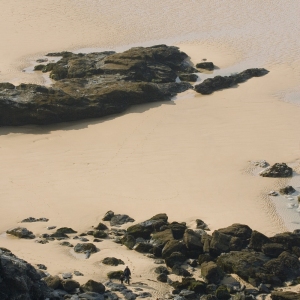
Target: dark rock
296,251
120,220
262,288
277,170
160,239
21,233
287,190
143,247
288,295
209,297
31,220
128,241
192,241
97,240
161,269
188,77
176,258
191,284
140,230
206,240
222,293
211,272
81,248
204,258
238,230
6,86
114,274
187,294
101,226
112,261
161,216
108,215
91,296
59,235
208,86
193,263
41,267
173,246
77,273
206,66
273,249
178,270
201,224
65,230
257,240
157,251
144,295
100,234
162,277
287,239
67,244
53,282
70,285
93,286
178,229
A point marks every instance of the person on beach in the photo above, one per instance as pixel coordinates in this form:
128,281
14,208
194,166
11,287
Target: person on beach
127,274
122,278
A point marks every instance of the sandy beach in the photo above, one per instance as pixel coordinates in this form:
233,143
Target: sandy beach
189,157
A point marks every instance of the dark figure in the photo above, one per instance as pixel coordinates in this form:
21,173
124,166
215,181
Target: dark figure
122,277
127,274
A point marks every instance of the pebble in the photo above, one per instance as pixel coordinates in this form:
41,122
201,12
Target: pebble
66,275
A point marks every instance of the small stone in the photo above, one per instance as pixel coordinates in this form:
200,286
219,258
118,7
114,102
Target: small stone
51,227
77,273
66,275
41,267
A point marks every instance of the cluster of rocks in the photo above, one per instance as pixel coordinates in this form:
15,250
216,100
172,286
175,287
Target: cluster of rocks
210,85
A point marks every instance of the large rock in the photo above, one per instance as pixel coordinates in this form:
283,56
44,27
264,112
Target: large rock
70,285
273,249
173,246
288,295
176,258
108,215
206,65
192,240
178,229
211,272
208,86
112,261
93,286
238,230
287,239
83,247
159,239
53,282
143,247
120,220
287,190
160,217
21,232
128,241
20,280
257,240
95,85
277,170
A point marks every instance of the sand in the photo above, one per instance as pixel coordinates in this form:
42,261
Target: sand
189,157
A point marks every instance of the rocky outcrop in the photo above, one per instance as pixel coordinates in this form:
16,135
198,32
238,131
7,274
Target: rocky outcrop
95,85
20,280
277,170
210,85
21,232
212,272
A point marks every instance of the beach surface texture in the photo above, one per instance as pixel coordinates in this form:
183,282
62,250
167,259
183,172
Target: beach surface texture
192,157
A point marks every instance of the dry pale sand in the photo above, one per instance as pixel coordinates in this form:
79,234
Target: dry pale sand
189,157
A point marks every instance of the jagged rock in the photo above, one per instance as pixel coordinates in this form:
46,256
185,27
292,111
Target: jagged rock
222,293
100,234
206,65
273,249
160,217
81,248
162,277
20,280
101,226
288,295
211,272
65,230
93,286
140,230
188,77
160,239
178,270
21,232
53,282
70,285
114,274
204,258
192,241
173,246
120,220
178,229
277,170
287,190
108,215
208,86
31,220
176,258
201,224
128,241
143,247
238,230
112,261
257,240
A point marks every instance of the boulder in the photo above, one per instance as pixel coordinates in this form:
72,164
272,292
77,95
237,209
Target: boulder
101,226
201,224
186,294
287,239
161,269
191,284
176,258
20,280
173,246
273,249
192,241
70,285
188,77
288,295
128,241
53,282
210,85
65,230
81,248
238,230
115,274
257,240
108,215
287,190
178,270
159,239
21,232
93,286
206,66
112,261
100,234
204,258
162,277
31,220
160,217
141,230
143,247
120,220
211,272
178,229
222,293
278,170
